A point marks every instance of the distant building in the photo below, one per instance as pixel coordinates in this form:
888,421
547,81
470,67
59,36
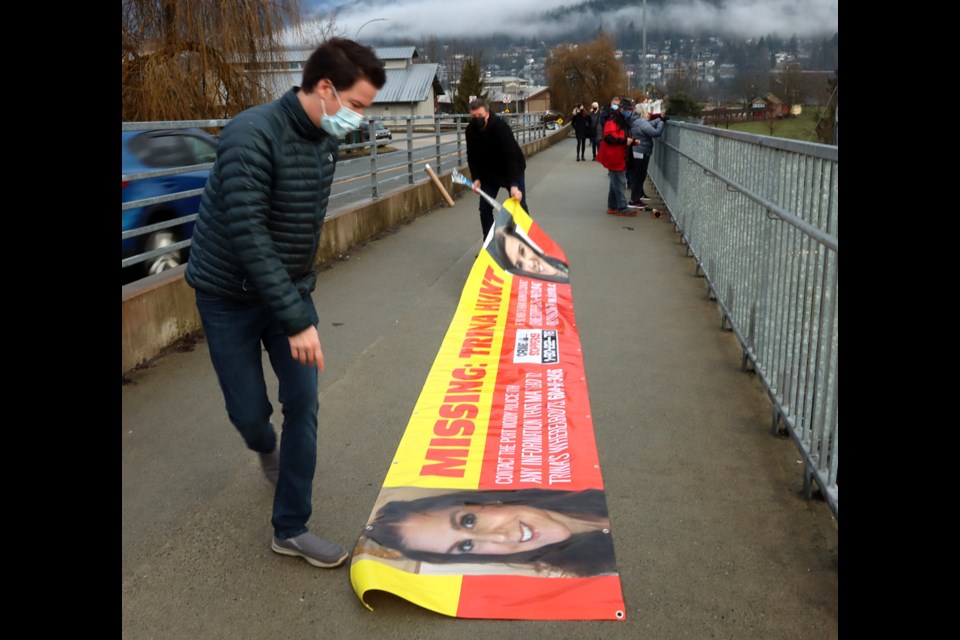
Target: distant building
507,93
411,89
514,94
538,99
768,107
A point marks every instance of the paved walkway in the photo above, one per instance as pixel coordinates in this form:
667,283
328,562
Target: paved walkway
714,539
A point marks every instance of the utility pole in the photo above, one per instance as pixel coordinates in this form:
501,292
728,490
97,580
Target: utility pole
643,69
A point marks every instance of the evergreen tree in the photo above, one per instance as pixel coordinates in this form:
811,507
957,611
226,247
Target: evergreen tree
471,84
681,104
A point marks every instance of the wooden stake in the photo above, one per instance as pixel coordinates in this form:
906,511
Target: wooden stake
436,181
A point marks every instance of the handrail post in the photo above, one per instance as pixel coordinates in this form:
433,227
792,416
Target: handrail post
459,142
372,141
410,179
436,126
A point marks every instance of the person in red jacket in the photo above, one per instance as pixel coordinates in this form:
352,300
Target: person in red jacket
613,157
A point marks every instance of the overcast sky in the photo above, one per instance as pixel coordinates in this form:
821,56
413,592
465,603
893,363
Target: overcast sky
422,18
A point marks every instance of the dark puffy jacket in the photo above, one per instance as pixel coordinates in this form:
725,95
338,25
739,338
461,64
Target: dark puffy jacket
258,230
493,154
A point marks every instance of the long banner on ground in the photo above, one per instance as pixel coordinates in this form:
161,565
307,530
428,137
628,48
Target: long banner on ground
494,506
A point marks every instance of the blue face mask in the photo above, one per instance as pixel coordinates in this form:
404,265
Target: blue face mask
614,107
342,122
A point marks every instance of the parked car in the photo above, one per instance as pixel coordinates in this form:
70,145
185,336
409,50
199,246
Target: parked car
383,134
161,149
552,116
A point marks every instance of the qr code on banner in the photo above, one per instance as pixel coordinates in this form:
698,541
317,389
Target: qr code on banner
536,346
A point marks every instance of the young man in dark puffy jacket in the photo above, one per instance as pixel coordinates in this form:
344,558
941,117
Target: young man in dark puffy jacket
495,160
252,266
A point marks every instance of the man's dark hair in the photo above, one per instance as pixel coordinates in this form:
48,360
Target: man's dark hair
342,62
477,103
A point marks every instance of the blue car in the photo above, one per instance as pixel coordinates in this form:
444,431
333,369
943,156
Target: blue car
162,149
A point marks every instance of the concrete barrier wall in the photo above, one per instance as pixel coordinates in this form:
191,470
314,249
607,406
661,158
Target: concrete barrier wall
160,310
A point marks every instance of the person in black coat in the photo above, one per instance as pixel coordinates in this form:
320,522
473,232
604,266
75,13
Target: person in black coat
594,119
495,160
581,127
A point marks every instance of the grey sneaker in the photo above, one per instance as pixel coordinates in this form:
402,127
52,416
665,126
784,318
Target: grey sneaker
317,552
270,463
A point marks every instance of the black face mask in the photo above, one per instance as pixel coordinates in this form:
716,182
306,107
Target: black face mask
478,122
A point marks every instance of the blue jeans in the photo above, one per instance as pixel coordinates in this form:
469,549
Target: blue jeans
486,209
234,333
616,196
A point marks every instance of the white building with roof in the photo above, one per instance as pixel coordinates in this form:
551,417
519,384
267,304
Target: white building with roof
510,93
411,88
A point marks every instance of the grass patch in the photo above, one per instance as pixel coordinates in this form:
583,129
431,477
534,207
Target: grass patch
803,127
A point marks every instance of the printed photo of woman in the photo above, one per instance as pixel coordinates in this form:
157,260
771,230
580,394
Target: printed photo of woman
516,253
553,533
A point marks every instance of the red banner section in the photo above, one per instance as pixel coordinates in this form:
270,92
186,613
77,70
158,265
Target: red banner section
493,506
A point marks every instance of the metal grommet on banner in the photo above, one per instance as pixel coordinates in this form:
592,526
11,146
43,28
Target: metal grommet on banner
619,614
369,527
605,530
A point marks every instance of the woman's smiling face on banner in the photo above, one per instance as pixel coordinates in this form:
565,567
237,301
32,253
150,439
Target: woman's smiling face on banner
523,258
493,529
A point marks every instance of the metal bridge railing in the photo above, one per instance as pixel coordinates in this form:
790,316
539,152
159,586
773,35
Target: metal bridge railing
364,170
760,217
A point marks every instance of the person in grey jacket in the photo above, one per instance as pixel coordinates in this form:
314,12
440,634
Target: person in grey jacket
252,266
643,130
